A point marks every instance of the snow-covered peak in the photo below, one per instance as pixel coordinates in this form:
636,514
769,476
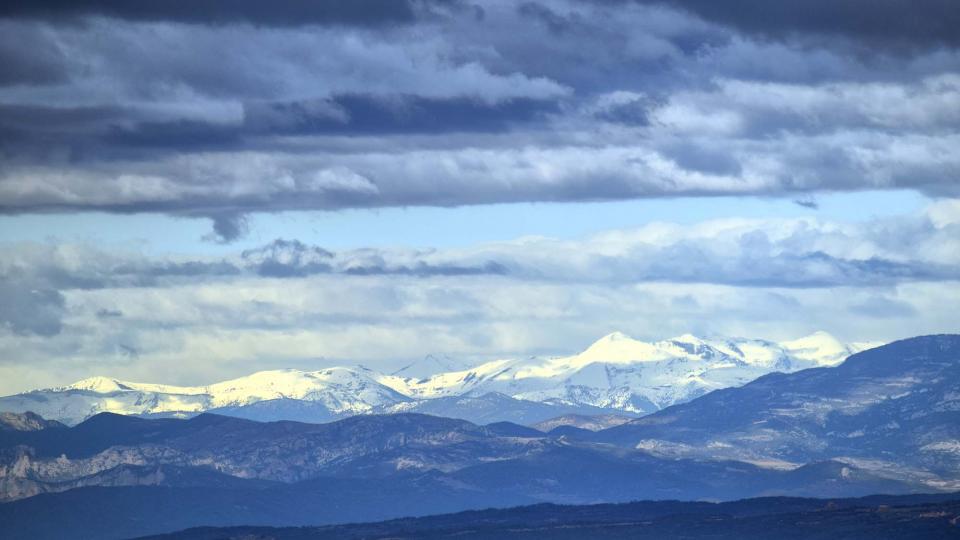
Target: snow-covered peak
100,385
109,385
618,347
342,390
348,386
819,348
451,383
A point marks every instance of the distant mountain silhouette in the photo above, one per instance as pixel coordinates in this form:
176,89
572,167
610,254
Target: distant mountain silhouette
852,519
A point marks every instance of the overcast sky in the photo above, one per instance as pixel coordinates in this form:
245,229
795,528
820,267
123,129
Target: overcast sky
193,190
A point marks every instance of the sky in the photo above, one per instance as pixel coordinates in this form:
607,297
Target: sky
192,191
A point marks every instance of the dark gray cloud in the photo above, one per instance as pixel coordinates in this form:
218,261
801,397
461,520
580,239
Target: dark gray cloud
288,258
348,115
557,24
26,310
292,258
701,157
45,64
227,227
35,272
217,112
277,12
358,114
881,22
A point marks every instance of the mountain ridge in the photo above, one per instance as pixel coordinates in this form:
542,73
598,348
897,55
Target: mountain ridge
615,375
860,518
893,406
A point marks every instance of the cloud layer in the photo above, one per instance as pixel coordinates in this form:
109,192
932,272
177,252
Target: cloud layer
75,310
221,111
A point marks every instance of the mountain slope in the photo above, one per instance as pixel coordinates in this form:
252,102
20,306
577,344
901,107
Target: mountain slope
368,445
893,407
587,422
27,421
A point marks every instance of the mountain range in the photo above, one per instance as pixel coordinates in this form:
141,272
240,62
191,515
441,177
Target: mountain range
886,420
893,409
869,518
615,375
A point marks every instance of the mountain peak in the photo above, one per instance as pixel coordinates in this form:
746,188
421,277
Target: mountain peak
618,347
98,384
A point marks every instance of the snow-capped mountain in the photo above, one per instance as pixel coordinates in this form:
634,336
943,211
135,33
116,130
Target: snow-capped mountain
615,374
625,374
892,408
339,391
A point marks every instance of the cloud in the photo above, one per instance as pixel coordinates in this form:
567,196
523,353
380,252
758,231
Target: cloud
27,311
884,23
205,332
220,112
228,227
288,258
46,63
762,253
78,310
348,115
292,258
277,13
882,307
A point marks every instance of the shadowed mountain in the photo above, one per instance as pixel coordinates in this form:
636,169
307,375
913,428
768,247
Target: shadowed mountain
867,519
26,421
503,458
161,510
895,407
588,422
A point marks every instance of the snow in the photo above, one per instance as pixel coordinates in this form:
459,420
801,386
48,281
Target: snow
100,385
616,371
820,348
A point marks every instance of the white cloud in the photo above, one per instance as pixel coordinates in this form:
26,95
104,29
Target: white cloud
195,320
